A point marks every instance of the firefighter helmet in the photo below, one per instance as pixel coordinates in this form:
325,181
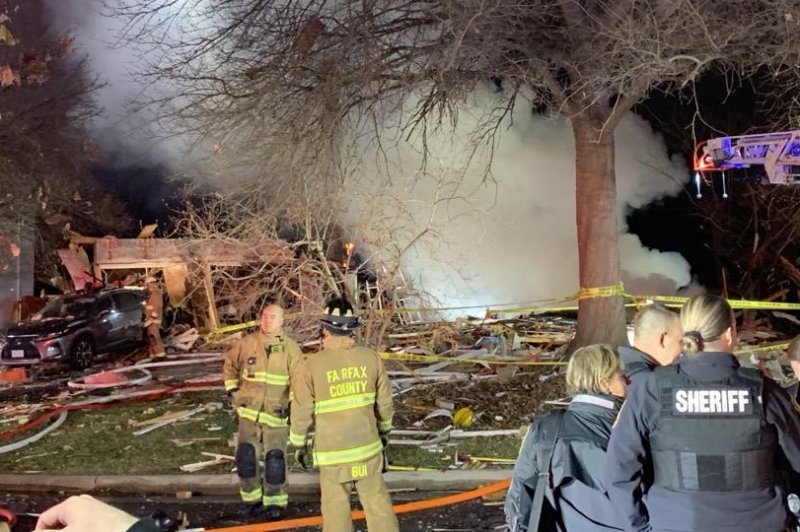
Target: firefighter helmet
339,317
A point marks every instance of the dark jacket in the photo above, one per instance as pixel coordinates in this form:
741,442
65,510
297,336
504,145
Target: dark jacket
146,524
635,364
576,492
792,388
759,510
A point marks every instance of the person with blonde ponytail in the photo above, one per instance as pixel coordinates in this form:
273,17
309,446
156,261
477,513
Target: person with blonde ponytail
708,432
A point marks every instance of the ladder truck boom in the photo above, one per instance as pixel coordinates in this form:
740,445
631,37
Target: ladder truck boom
777,153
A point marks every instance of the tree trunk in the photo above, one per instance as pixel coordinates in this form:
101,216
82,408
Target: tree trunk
600,319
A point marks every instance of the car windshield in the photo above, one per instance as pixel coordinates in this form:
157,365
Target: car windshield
64,308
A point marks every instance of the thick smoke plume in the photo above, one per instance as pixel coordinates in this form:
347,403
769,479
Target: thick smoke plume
511,238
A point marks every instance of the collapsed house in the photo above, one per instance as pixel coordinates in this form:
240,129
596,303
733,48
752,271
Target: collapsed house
185,264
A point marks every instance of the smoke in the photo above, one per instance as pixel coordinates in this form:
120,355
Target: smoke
122,128
471,241
511,239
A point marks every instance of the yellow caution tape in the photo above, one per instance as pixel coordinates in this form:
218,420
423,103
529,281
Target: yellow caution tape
408,357
738,304
779,346
541,306
233,328
601,291
409,468
492,459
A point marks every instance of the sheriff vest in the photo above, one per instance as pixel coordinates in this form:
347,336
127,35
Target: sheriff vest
736,401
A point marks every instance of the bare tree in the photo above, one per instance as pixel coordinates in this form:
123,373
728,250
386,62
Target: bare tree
45,151
316,72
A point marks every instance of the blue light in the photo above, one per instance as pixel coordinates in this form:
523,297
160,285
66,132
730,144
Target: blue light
697,185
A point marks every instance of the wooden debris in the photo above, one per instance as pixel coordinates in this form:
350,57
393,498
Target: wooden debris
447,405
173,419
216,460
168,416
185,443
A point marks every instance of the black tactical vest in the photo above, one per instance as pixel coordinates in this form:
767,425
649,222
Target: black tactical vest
712,435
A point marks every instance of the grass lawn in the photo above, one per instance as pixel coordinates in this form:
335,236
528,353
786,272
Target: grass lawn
102,443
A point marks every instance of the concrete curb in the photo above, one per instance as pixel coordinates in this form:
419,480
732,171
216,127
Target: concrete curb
229,484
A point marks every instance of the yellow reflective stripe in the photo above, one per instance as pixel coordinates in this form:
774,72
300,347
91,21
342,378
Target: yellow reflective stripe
247,413
385,425
262,418
268,378
251,496
324,458
298,440
276,500
231,384
272,421
338,404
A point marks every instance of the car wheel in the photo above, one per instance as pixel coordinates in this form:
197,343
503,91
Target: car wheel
82,353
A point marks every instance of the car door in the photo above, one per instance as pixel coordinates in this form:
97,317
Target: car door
130,307
108,323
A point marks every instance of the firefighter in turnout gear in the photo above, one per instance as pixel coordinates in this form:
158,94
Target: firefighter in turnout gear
344,391
708,432
257,374
153,312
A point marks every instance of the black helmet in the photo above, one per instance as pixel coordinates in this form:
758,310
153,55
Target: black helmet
339,317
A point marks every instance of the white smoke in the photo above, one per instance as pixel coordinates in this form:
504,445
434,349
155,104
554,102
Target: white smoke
503,241
121,127
514,239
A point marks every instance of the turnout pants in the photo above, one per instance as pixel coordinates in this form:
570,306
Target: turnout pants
265,483
337,481
155,345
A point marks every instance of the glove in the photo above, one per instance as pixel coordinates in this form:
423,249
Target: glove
385,441
301,457
229,401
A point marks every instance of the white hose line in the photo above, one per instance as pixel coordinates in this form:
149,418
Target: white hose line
36,437
171,363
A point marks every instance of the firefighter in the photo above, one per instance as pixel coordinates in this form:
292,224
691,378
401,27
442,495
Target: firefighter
344,391
257,374
153,312
711,434
657,335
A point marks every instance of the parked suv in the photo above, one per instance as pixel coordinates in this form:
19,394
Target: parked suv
74,328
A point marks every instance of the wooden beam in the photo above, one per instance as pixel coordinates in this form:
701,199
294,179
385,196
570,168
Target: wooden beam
213,315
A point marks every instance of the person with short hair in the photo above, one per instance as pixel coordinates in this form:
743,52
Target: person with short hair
711,434
568,449
657,333
257,375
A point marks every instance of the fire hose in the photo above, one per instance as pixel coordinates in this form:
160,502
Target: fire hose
408,507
